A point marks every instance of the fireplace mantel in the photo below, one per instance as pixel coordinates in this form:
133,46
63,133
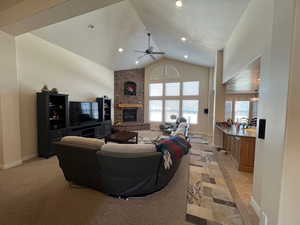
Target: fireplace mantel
130,105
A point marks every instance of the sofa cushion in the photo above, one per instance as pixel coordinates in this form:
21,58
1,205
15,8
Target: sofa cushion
129,148
91,142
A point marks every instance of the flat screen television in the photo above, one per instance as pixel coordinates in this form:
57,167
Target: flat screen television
82,113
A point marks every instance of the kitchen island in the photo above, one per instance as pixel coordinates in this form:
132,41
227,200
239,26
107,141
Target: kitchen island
240,144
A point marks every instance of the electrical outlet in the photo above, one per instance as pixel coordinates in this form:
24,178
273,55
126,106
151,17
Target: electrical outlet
264,218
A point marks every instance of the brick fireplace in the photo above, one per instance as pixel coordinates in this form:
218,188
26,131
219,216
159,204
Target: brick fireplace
129,98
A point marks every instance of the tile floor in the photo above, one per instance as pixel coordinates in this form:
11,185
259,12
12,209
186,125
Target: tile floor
209,201
240,185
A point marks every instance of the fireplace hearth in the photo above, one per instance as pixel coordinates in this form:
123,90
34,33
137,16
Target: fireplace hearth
129,115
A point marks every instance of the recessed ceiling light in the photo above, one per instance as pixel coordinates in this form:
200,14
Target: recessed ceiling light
121,50
179,3
185,56
137,62
183,39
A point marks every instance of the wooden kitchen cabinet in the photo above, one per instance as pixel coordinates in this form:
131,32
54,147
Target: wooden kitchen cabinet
243,153
241,147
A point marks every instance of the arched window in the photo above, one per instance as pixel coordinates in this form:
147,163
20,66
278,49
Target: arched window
129,88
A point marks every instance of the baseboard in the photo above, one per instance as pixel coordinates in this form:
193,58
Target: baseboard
256,207
12,164
28,157
17,163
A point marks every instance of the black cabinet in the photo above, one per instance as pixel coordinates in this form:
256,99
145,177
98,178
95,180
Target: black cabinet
107,126
105,106
52,121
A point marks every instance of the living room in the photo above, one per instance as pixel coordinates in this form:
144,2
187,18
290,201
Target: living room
149,75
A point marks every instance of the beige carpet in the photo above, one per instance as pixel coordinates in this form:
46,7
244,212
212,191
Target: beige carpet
37,194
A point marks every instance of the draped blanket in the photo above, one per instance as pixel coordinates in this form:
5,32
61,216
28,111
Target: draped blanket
173,149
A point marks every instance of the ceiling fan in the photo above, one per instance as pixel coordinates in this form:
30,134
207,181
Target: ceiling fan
149,51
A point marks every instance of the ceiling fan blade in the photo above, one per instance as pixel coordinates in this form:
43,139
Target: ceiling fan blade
139,51
152,57
142,56
158,53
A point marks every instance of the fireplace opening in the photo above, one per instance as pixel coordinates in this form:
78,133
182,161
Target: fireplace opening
129,115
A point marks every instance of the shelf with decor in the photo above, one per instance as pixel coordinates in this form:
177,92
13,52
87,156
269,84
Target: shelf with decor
52,116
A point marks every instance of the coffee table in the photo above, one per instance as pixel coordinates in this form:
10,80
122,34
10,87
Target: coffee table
123,137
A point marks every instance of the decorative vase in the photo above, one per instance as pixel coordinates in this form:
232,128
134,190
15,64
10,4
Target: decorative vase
54,91
45,89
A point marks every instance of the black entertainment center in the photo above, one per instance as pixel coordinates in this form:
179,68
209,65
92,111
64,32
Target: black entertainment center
57,118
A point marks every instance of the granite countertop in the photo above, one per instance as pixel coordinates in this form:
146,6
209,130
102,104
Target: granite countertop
251,132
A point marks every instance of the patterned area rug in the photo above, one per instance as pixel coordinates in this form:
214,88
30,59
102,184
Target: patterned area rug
209,201
199,139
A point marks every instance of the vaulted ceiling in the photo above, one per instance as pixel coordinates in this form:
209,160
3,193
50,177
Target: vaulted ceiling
207,24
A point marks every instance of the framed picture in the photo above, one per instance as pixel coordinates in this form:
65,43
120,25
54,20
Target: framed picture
129,88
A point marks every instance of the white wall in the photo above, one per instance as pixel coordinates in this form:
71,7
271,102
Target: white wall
211,102
39,63
1,142
9,104
273,107
289,207
276,157
249,38
219,98
187,72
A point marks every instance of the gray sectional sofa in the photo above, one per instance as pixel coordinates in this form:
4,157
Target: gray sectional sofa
119,174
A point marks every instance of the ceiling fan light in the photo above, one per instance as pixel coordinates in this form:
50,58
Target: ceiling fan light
179,3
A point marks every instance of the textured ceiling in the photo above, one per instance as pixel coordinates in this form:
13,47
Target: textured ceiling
207,24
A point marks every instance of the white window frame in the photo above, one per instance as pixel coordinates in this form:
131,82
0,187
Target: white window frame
181,98
162,91
234,109
162,111
187,95
179,91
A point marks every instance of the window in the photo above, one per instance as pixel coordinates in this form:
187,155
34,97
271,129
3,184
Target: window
156,90
254,109
155,110
191,88
228,110
172,89
171,108
241,111
190,110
